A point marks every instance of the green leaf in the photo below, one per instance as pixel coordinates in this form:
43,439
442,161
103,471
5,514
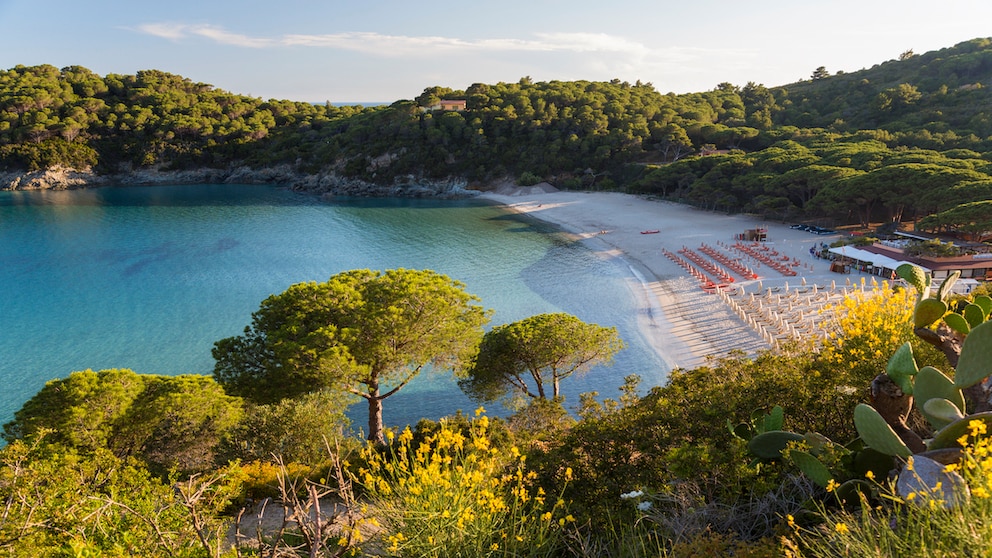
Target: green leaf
985,302
811,467
974,314
957,322
975,363
915,276
928,311
945,286
877,433
902,367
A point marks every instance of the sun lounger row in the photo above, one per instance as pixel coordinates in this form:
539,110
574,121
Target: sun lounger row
707,283
735,265
712,269
764,258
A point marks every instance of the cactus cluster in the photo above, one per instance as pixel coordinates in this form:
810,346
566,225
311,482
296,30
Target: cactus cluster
930,309
940,399
822,461
961,329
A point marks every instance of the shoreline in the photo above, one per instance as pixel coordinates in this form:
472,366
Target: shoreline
682,323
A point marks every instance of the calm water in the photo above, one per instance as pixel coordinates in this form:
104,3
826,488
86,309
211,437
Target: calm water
149,278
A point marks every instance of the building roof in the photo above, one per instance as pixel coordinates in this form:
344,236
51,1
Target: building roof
971,261
877,260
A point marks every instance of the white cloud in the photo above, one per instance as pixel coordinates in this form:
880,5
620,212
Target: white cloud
402,45
180,31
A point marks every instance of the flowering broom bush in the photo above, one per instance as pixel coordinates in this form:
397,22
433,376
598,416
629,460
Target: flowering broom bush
869,325
457,495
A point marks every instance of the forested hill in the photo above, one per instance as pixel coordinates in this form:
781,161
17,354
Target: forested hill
912,137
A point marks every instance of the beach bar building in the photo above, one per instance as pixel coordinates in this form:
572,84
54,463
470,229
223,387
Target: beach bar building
972,266
868,261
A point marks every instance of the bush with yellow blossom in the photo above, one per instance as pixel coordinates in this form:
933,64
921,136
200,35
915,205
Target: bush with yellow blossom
454,494
867,327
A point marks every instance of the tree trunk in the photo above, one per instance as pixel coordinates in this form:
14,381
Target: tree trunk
375,416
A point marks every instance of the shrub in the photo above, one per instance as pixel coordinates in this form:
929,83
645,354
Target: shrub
528,178
457,495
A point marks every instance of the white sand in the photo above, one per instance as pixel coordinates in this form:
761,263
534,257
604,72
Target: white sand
682,322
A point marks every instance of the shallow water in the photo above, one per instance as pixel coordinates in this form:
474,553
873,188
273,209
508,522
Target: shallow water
149,278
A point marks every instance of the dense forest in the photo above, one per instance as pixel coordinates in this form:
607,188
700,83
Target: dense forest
906,139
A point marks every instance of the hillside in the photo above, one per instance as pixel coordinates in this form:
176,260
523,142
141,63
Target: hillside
792,151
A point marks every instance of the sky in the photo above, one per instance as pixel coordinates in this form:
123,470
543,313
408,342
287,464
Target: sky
380,51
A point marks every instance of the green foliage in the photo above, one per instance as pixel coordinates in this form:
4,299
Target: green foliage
59,502
364,333
678,432
170,423
298,430
903,139
531,357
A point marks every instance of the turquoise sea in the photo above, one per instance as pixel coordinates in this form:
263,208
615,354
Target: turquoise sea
148,278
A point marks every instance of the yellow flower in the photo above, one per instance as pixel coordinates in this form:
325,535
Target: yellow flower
977,427
832,485
870,475
841,528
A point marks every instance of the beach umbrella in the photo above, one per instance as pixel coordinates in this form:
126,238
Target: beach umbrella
804,281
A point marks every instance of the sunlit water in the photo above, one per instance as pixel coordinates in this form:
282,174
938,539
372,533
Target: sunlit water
149,278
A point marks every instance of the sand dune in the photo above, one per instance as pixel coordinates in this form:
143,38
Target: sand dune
685,323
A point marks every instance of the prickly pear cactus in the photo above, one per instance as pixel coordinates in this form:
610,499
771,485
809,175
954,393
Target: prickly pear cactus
877,433
769,445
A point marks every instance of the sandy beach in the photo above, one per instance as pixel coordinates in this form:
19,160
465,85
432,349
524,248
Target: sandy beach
683,322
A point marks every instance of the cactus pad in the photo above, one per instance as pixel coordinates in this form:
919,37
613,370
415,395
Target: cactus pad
928,311
877,433
915,276
769,445
974,314
941,412
948,436
957,323
985,302
945,287
902,367
811,467
933,384
975,363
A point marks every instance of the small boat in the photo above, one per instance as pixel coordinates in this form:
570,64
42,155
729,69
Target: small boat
652,231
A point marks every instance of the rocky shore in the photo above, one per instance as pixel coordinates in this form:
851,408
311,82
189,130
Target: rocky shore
325,183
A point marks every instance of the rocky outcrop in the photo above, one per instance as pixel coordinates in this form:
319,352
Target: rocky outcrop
323,183
55,178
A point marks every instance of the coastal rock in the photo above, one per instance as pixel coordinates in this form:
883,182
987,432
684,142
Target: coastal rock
325,183
55,178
